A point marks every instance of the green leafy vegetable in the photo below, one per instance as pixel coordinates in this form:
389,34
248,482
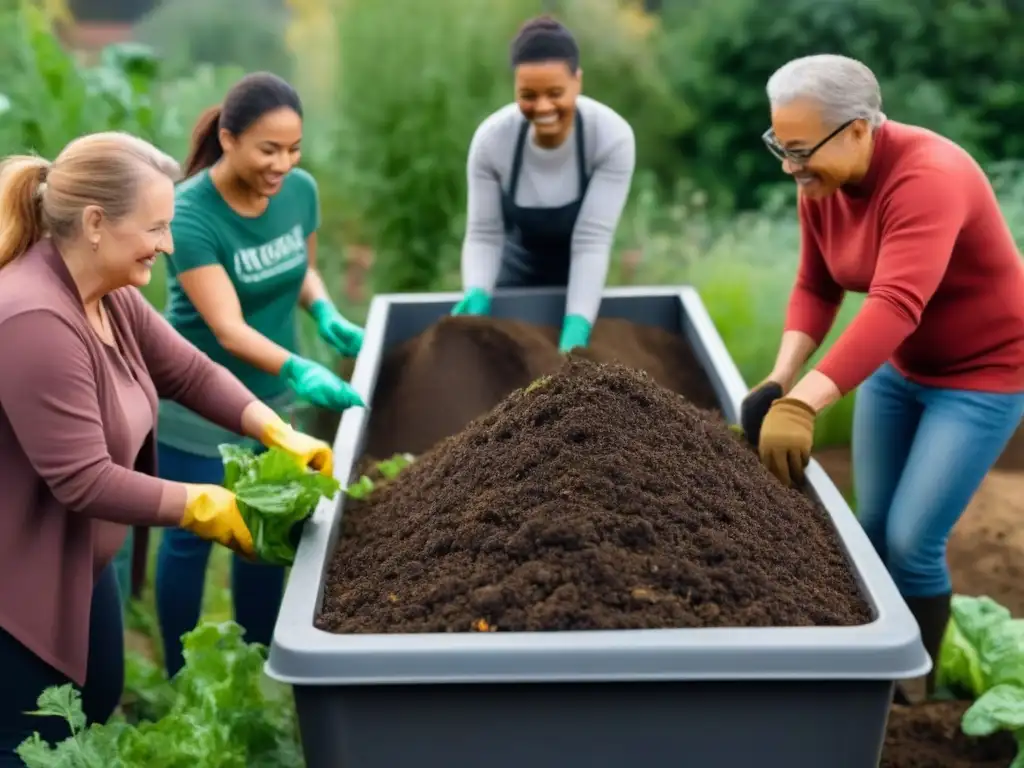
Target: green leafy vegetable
389,470
982,658
1000,708
146,696
361,488
276,494
223,713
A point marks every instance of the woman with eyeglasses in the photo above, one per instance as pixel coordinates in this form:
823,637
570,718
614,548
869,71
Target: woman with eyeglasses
548,178
907,217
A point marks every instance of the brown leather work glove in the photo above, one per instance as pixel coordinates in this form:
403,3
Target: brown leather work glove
787,435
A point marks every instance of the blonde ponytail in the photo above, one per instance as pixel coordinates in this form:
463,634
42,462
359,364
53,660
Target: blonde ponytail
21,215
39,198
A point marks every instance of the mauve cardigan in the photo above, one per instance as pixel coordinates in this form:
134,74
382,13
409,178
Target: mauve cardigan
65,456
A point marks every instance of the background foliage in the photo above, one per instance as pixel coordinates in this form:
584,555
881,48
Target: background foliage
394,91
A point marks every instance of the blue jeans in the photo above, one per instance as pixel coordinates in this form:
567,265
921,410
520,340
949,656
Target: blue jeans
919,454
256,588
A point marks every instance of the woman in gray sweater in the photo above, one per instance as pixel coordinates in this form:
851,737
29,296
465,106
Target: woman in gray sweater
548,178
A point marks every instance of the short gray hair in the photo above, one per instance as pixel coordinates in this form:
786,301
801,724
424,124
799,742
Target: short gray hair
845,88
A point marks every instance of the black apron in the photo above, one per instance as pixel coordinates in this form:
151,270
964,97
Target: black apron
538,241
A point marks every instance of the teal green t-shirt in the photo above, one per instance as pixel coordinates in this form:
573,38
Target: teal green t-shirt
266,260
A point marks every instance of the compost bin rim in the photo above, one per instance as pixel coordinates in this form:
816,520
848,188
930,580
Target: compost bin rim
890,645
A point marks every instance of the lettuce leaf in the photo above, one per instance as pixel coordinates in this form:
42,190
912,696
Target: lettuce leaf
276,494
960,670
1000,708
982,658
1002,654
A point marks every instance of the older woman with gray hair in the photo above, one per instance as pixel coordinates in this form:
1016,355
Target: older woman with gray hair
909,218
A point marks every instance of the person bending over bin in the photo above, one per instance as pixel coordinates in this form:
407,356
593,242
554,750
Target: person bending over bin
548,178
245,247
85,360
909,218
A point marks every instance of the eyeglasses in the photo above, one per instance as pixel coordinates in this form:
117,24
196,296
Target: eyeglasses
799,156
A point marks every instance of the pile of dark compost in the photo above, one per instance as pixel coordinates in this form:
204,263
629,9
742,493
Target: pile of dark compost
434,384
592,498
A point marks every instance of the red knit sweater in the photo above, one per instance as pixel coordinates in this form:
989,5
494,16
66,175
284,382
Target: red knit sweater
923,236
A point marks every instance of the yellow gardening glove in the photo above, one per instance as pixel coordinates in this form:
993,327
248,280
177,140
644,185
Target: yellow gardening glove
787,435
212,514
308,450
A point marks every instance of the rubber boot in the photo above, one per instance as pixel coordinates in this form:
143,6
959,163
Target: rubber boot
932,615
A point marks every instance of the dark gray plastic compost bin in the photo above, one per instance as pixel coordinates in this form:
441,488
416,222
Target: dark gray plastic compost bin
667,698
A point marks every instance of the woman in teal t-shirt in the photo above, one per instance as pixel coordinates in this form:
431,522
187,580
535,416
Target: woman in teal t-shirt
244,256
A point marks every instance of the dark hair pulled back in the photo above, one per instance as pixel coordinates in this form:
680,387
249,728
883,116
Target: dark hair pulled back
545,39
249,99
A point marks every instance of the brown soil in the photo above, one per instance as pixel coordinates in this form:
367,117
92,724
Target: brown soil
433,385
1012,457
929,736
593,499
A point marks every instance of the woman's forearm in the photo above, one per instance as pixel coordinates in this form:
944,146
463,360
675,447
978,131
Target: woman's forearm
817,390
247,344
257,417
795,350
313,289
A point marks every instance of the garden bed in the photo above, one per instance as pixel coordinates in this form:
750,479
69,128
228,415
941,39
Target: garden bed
636,577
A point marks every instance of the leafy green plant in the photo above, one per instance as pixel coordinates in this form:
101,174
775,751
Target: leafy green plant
275,494
361,488
223,713
982,658
146,696
388,469
52,99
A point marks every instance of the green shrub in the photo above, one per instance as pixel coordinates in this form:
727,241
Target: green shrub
47,99
935,60
244,33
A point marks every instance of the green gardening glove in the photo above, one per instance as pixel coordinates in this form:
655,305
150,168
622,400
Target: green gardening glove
575,333
475,302
313,382
344,335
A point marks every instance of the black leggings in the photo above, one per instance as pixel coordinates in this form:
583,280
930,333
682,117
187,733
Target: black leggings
24,676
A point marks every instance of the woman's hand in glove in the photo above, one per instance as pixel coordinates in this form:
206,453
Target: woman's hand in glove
212,514
787,436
